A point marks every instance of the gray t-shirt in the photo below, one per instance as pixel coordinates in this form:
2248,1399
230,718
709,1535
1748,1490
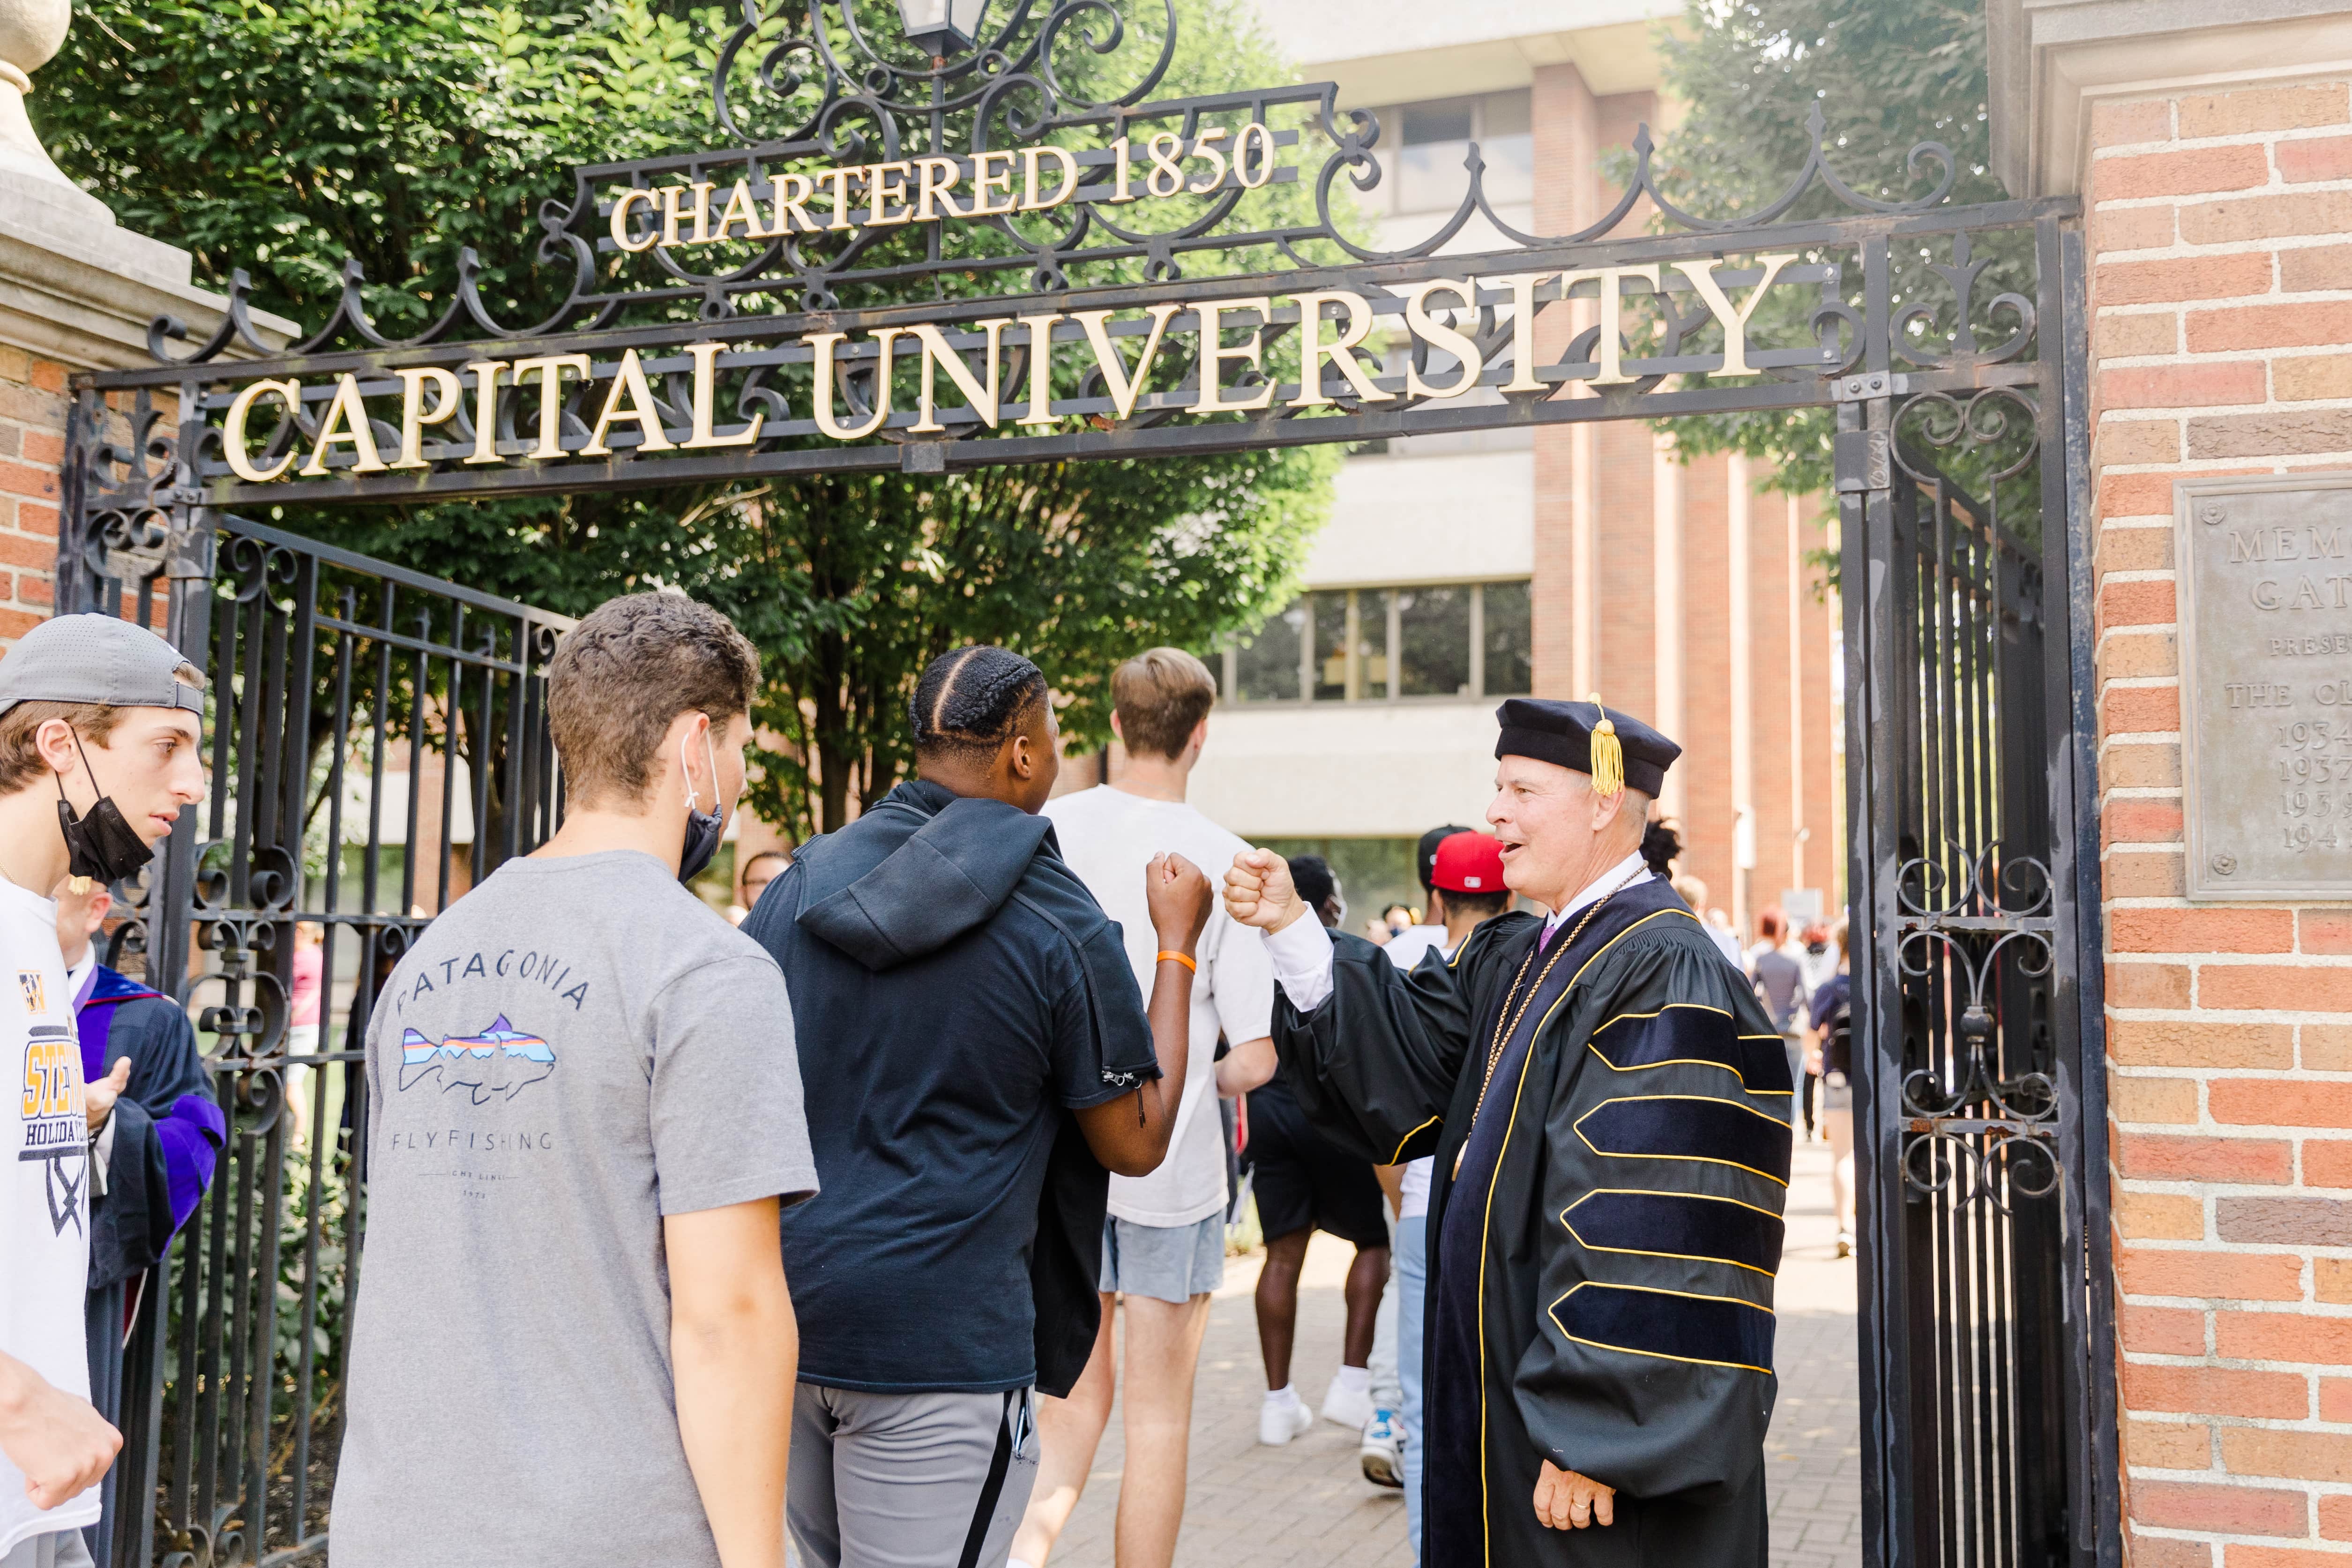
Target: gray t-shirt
574,1050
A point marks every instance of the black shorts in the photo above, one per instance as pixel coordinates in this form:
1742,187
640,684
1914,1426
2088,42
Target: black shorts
1303,1181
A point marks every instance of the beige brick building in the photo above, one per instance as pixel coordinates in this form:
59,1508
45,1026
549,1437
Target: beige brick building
1679,591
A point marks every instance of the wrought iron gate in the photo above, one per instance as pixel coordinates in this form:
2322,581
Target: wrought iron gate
1987,1332
377,743
1948,339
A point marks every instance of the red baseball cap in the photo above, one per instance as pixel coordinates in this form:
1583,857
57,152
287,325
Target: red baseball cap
1468,863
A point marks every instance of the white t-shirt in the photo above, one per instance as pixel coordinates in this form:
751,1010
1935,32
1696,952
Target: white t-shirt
1108,837
1405,948
45,1188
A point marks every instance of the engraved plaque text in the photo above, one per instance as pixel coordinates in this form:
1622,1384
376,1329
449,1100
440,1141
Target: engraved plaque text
2264,571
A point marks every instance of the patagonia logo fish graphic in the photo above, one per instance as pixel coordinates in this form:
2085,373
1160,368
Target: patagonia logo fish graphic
499,1061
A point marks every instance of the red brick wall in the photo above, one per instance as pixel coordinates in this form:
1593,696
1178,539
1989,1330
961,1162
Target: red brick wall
32,447
2222,336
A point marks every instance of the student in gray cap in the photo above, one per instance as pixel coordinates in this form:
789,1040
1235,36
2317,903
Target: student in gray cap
101,744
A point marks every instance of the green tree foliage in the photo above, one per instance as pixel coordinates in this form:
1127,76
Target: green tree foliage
283,136
1887,75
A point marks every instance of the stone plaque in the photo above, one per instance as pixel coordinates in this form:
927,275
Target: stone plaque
2265,573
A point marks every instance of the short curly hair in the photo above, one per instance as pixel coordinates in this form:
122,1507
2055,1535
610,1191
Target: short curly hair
623,674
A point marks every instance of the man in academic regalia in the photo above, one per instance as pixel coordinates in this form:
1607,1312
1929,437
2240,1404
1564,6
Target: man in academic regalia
1608,1107
168,1133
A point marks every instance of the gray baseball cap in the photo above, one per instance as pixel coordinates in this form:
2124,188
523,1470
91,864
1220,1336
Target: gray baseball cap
95,659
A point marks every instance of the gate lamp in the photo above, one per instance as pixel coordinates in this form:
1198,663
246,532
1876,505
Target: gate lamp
943,28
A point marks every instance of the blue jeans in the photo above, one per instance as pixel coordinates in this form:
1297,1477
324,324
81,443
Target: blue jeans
1412,1264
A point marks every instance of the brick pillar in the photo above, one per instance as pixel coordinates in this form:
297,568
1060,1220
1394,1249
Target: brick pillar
76,294
1567,155
2222,329
1772,683
1705,645
32,449
1820,860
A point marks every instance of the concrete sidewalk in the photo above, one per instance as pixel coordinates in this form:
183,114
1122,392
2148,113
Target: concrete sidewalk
1252,1507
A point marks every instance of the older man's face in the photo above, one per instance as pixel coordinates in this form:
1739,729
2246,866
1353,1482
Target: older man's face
1542,814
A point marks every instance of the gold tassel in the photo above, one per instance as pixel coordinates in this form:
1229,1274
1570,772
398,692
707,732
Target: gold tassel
77,885
1608,755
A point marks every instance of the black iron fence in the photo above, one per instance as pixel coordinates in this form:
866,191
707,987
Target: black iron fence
1977,1105
377,745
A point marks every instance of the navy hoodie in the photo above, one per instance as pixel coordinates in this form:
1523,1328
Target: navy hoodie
955,993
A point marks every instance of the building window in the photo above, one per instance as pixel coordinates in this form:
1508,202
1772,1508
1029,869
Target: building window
1511,641
1425,145
1328,681
1377,644
1434,641
1263,665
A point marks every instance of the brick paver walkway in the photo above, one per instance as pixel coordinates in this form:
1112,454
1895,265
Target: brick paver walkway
1254,1507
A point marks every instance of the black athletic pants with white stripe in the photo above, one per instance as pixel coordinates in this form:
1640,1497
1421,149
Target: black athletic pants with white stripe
909,1481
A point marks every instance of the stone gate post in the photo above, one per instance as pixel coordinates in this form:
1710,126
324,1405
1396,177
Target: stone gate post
77,293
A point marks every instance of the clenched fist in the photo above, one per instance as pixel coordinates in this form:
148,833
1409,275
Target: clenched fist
1259,892
1177,893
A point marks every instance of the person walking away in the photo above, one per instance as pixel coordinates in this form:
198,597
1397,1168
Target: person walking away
168,1133
1577,1375
1163,1249
583,1110
1304,1185
1465,891
988,1062
1818,962
1780,986
101,744
1693,892
1830,1058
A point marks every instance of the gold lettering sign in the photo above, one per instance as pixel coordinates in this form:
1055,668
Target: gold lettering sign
998,183
1332,364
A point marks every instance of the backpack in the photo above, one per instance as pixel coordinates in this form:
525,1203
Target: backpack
1837,1043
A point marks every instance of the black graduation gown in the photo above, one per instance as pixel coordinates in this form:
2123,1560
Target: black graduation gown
168,1133
1601,1265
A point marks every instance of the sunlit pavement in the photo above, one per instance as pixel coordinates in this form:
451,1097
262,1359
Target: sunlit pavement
1248,1506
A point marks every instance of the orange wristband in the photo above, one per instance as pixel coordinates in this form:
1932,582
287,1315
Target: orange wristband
1165,953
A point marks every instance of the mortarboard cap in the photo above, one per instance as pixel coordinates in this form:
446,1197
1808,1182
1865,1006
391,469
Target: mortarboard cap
1566,734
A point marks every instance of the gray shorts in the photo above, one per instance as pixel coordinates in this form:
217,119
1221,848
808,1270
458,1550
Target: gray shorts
909,1481
1837,1092
58,1548
1167,1263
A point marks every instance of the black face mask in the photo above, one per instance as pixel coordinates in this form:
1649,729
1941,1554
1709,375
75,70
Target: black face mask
103,845
703,828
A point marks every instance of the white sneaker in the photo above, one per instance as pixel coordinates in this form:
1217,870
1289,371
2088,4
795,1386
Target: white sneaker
1348,1407
1278,1423
1382,1461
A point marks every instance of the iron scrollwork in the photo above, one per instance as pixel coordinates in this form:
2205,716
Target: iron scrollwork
843,97
1970,1130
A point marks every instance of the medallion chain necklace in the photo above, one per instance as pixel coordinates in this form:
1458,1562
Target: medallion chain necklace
1506,1023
